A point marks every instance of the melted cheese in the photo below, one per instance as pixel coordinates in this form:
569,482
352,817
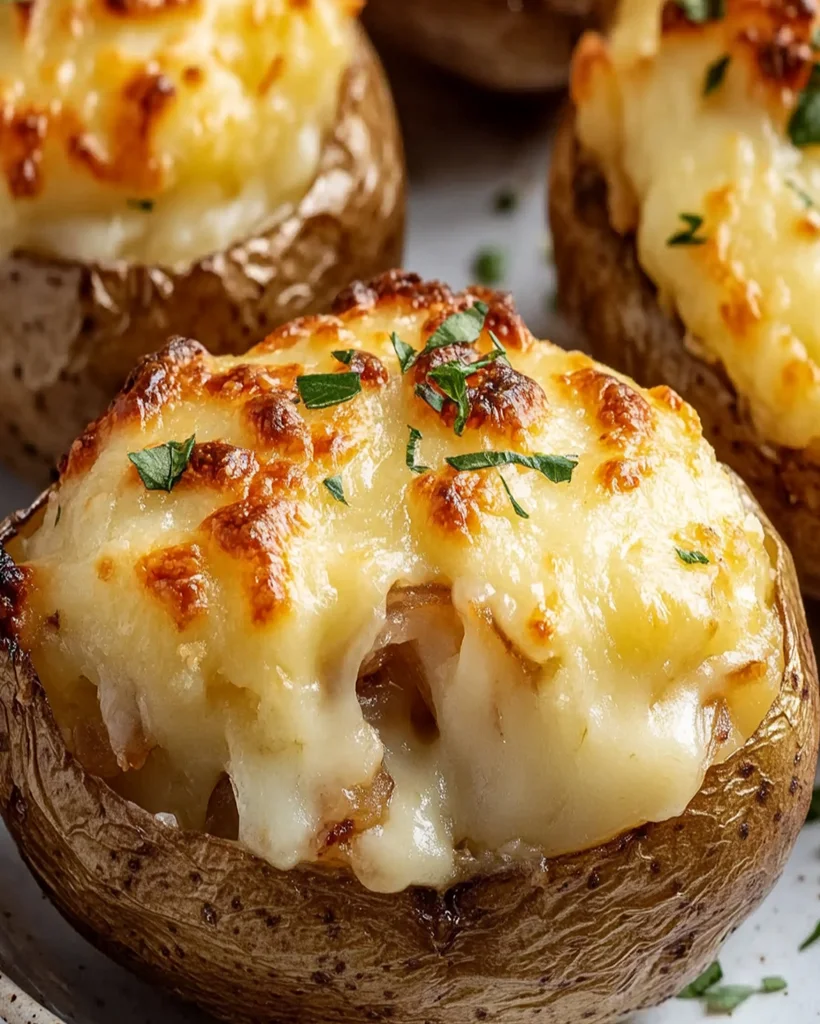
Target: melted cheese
748,295
418,677
213,112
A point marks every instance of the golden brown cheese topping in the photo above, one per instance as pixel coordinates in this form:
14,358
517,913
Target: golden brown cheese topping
401,663
707,127
158,131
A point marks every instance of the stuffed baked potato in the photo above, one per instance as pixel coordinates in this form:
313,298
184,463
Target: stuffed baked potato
521,47
687,232
172,166
307,722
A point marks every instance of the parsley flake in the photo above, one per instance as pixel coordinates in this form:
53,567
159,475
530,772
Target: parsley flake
715,73
700,11
452,377
320,390
452,380
143,205
692,557
412,452
161,467
519,511
810,941
726,998
506,200
489,265
497,344
334,485
801,194
460,328
405,353
344,355
431,397
804,124
704,981
59,515
557,468
688,235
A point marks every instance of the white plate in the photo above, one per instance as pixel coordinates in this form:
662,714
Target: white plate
462,148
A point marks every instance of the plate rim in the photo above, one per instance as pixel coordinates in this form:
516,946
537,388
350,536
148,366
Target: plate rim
18,1007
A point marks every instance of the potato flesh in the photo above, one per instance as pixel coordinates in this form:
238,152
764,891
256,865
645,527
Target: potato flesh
581,677
162,135
747,295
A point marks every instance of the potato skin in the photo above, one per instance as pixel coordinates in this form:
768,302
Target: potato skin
603,289
517,48
72,332
586,937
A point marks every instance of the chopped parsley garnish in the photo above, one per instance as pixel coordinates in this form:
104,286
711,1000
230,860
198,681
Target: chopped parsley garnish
557,468
143,205
460,328
801,194
688,235
320,390
715,73
451,377
700,11
506,200
59,515
810,941
344,355
726,998
412,452
161,467
814,806
479,364
497,344
815,38
431,397
518,510
695,989
334,485
489,265
452,380
405,353
692,557
804,124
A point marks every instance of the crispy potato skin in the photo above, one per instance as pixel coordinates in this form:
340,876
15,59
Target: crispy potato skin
71,333
604,290
515,48
586,937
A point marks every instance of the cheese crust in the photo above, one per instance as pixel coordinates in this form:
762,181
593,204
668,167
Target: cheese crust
158,131
405,682
688,118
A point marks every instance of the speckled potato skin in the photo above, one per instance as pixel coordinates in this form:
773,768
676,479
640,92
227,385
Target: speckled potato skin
70,333
586,937
522,47
603,289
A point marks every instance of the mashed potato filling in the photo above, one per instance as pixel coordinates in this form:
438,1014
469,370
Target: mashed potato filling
696,115
426,672
160,131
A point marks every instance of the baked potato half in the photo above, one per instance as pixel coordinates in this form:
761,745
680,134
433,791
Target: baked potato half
306,722
687,237
209,168
522,47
